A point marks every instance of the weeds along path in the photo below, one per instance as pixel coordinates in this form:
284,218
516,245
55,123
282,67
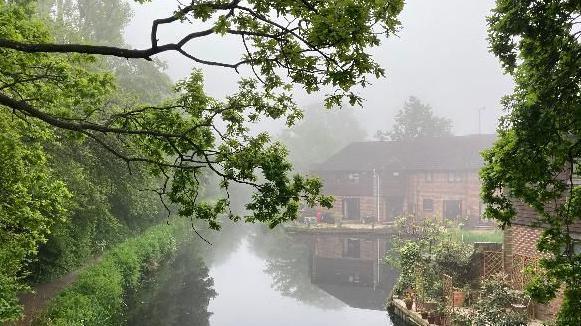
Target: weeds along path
35,302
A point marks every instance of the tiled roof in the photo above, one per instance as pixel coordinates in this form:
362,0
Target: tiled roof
434,153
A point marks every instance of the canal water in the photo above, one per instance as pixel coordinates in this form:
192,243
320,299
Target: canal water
270,277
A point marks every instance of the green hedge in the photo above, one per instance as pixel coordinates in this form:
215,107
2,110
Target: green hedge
98,296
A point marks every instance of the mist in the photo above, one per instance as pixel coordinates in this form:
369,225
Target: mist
218,163
440,56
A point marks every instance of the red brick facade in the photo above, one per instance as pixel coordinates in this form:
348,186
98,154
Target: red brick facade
441,187
378,181
520,251
417,190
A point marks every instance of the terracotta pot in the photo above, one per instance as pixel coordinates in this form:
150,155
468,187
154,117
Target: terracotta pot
430,306
408,304
458,298
438,320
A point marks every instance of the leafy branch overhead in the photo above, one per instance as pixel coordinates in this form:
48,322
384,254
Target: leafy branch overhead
315,44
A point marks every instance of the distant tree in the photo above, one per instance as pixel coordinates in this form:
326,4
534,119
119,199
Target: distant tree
536,157
416,120
319,135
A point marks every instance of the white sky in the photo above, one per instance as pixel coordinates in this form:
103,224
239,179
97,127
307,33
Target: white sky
441,56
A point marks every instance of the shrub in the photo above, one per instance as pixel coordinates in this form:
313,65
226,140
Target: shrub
98,296
496,306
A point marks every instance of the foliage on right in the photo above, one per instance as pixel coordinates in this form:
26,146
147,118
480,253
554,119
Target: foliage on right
535,160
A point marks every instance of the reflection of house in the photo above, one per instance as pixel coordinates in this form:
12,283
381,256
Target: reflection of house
425,177
520,251
351,270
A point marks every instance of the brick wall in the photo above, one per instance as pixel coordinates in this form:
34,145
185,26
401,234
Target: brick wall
522,240
367,207
439,189
415,189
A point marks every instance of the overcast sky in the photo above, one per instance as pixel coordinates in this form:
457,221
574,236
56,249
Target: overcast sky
440,55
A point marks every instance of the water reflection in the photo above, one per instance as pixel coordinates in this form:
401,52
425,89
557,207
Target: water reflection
350,268
288,262
291,279
178,295
269,277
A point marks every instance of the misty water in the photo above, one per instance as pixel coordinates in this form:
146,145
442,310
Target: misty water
271,278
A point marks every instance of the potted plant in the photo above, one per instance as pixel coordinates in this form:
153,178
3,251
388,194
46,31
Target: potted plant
409,301
439,314
430,305
458,297
431,317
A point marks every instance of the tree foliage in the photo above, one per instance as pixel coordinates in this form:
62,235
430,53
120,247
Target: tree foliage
332,130
535,159
103,125
497,305
323,43
423,251
416,120
32,199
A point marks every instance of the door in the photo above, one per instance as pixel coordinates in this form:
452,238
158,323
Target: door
351,209
394,207
452,209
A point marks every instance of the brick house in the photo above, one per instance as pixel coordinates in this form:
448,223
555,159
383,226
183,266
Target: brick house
350,268
380,180
519,244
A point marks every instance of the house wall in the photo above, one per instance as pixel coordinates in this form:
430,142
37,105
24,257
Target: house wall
520,242
367,207
339,183
439,188
406,191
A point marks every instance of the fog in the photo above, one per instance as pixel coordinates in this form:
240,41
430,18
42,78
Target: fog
440,55
149,203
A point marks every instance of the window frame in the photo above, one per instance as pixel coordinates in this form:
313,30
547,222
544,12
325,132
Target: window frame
424,205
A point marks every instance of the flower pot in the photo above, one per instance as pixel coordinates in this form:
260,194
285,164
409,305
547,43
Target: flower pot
430,306
437,320
458,298
408,304
431,318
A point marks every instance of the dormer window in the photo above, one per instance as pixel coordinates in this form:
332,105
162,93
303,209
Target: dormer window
353,177
454,177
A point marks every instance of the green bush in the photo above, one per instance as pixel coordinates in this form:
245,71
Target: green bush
98,296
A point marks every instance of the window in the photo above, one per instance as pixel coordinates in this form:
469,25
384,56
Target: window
351,209
352,248
428,205
353,177
454,177
428,177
